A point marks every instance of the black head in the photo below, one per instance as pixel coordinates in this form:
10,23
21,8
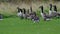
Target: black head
41,8
19,9
50,6
55,8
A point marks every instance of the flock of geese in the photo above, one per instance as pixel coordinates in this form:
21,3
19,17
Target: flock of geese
30,14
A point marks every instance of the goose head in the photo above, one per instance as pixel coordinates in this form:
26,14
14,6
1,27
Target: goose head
19,9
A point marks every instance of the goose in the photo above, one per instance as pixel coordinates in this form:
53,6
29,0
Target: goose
19,11
34,16
55,10
32,13
44,15
28,14
24,13
50,10
52,13
1,17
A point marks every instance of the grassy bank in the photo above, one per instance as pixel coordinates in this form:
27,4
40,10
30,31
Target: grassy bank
15,25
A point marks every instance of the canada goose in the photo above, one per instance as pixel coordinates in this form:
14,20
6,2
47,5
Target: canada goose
31,13
55,10
24,13
1,17
50,10
44,15
52,13
19,11
28,14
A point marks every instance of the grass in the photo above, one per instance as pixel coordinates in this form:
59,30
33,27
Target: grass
15,25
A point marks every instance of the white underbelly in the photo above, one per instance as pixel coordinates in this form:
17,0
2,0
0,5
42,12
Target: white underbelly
19,14
42,15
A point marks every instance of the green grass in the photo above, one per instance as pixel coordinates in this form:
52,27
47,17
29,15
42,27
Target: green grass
15,25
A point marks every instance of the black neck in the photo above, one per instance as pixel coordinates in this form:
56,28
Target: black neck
50,6
19,10
24,11
42,9
31,9
55,8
